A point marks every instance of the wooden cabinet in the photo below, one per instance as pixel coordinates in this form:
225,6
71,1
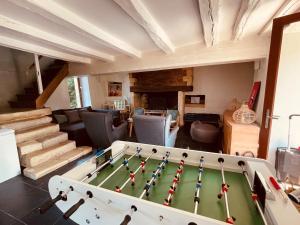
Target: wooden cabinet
241,138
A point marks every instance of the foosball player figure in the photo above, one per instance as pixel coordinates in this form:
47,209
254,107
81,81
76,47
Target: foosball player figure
230,220
179,170
171,190
154,176
224,189
138,150
166,202
118,189
111,161
132,177
147,187
181,162
164,160
143,166
125,163
254,196
175,179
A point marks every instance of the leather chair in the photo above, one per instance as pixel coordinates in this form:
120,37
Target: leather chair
155,130
100,128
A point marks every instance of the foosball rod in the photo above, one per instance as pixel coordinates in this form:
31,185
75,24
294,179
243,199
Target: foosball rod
104,164
137,170
198,185
107,178
164,160
245,173
229,218
49,203
176,178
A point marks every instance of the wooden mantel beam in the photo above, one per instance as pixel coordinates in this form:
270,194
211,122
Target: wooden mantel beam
139,12
288,6
246,9
209,12
55,40
78,24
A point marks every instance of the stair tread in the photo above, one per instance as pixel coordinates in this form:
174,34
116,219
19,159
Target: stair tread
53,138
53,164
27,123
28,147
38,157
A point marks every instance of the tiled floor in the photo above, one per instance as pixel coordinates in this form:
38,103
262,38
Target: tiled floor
20,196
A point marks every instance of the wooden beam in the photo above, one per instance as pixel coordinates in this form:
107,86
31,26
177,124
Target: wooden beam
138,11
37,49
246,9
288,6
59,42
51,87
209,12
78,24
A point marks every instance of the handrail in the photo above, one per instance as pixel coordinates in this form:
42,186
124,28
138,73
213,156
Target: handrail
48,91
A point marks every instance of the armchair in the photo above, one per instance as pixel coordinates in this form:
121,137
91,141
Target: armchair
100,128
155,130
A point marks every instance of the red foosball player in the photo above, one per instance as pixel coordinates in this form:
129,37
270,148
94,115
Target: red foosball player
175,180
230,220
118,189
171,190
179,170
254,196
143,166
132,177
181,163
224,189
166,202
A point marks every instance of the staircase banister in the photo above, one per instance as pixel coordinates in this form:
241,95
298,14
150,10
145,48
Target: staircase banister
51,87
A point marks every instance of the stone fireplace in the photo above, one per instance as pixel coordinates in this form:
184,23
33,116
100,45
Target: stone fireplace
161,90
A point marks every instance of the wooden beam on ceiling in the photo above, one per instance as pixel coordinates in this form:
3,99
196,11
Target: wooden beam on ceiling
288,6
209,12
55,40
79,24
139,12
40,50
246,9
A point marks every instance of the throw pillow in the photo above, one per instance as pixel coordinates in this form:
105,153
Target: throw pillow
61,118
73,116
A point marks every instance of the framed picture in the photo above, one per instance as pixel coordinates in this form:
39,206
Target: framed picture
114,89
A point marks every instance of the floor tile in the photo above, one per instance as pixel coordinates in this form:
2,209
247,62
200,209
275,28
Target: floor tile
19,198
6,219
48,218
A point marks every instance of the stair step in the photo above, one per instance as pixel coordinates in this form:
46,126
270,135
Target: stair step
38,157
27,123
29,114
53,164
36,132
27,97
22,104
53,139
31,90
28,147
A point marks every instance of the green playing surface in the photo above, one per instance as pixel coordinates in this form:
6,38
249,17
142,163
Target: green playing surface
239,196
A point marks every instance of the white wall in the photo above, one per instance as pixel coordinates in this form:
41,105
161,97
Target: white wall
260,74
60,98
220,84
99,89
287,97
9,79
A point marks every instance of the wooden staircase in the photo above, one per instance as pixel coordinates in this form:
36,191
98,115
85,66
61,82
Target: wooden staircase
42,147
51,78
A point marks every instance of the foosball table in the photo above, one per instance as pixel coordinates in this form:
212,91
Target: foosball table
133,183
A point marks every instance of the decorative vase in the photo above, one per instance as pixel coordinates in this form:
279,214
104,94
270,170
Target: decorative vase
244,115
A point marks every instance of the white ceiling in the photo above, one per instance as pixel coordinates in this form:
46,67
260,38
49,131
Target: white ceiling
104,29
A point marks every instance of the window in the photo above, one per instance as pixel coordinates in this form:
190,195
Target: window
79,92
